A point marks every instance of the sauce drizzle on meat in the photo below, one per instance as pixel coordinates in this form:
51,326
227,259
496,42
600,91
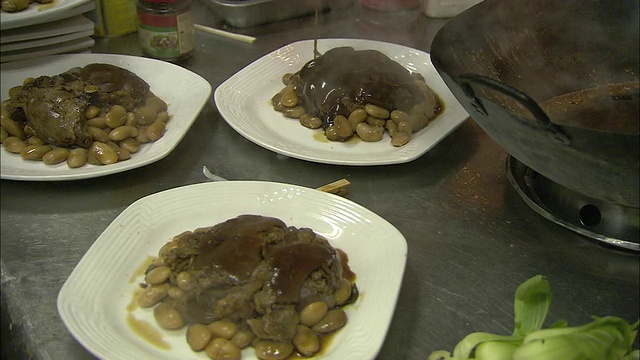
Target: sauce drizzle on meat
292,264
235,247
358,93
333,83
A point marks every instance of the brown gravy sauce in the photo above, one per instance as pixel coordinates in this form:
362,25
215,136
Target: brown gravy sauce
343,74
144,329
141,269
346,270
611,108
148,332
292,264
236,245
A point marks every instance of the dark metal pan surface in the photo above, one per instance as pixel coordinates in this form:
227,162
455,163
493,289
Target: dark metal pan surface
555,84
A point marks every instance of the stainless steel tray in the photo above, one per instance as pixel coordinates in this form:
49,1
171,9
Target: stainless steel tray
247,13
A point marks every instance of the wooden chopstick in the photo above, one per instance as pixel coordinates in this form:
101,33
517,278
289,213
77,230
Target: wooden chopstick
240,37
338,187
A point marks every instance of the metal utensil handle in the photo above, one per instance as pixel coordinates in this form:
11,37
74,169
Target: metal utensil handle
465,81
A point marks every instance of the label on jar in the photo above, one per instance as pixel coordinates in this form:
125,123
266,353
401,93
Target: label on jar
166,36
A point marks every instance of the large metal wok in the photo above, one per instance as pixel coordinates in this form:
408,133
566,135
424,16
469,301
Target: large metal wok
555,83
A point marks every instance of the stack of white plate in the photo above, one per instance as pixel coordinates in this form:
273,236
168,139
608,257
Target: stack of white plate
46,29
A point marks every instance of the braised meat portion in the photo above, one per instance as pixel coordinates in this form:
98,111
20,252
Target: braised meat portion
253,270
360,94
343,79
115,85
53,108
56,115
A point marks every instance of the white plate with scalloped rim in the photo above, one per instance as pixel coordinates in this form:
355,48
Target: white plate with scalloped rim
185,92
93,301
41,13
244,101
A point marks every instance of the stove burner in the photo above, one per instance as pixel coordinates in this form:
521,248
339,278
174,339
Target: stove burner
600,220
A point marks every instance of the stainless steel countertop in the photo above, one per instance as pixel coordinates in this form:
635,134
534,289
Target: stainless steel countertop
471,239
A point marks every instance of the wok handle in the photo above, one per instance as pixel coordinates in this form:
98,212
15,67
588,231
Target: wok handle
465,81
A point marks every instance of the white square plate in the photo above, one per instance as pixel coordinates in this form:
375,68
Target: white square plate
185,92
93,301
244,101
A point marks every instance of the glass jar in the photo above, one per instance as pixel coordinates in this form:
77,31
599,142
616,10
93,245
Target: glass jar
165,29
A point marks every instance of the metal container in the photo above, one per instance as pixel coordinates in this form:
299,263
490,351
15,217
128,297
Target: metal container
247,13
504,60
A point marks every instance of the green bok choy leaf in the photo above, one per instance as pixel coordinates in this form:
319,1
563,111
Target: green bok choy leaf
605,338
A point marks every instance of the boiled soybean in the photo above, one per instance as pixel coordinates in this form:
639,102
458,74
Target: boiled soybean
130,144
34,152
168,317
56,156
34,140
376,111
306,341
223,328
313,312
162,116
155,130
104,153
273,350
152,295
145,114
293,112
405,126
400,138
398,116
91,112
122,132
11,126
117,116
222,349
175,292
343,293
357,116
198,336
370,133
98,122
311,122
157,275
3,134
289,99
156,103
77,158
14,144
98,134
243,338
183,280
334,320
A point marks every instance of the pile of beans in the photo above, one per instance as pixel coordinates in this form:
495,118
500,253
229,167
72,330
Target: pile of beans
116,132
369,122
225,339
